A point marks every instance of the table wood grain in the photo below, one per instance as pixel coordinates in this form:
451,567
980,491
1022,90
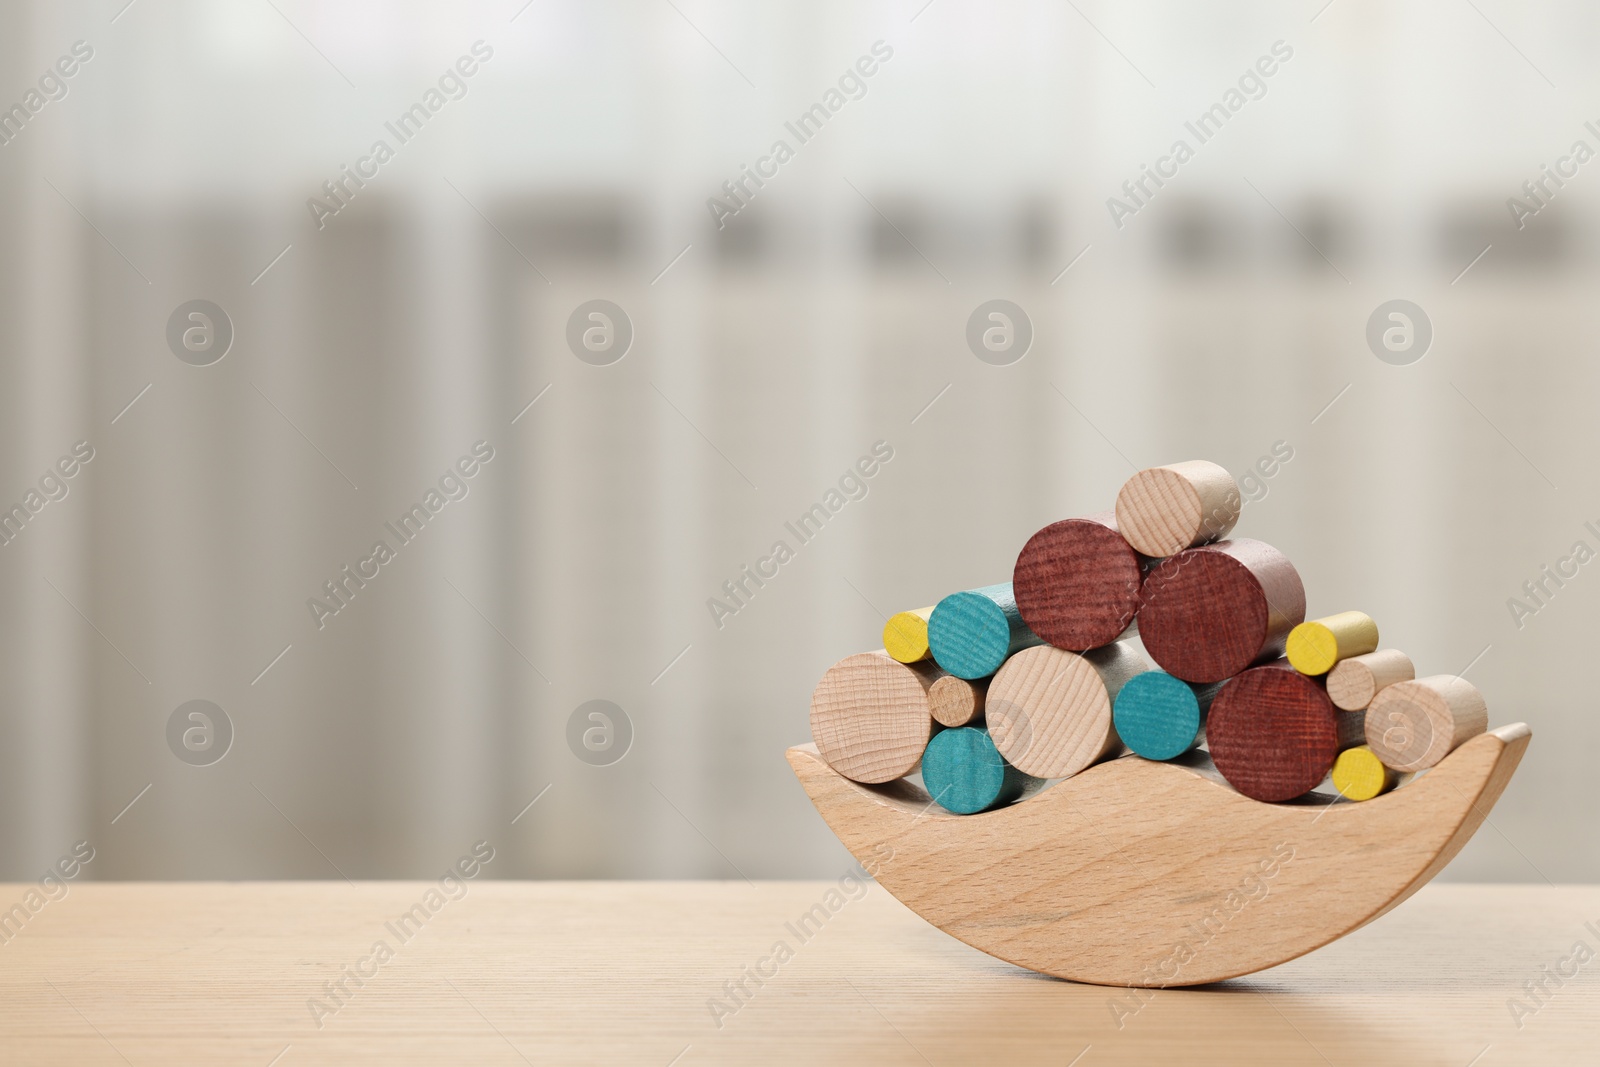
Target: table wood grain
631,973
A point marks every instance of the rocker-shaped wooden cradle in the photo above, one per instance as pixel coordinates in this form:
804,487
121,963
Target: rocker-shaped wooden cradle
1135,873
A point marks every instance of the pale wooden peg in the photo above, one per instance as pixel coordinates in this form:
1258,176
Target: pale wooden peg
1049,711
1413,725
870,717
958,702
1164,510
1354,682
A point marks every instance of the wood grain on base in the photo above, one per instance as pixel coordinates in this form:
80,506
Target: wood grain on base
870,717
1137,873
958,702
905,635
1164,510
1077,582
1354,682
1316,645
1274,734
972,632
1049,710
1210,612
1413,725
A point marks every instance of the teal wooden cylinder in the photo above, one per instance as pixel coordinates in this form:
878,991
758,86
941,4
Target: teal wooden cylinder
972,633
1161,717
966,774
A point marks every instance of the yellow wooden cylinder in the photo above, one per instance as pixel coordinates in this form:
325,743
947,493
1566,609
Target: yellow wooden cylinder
905,635
1315,646
1358,774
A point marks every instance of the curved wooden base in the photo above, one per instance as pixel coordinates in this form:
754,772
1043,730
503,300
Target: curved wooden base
1136,873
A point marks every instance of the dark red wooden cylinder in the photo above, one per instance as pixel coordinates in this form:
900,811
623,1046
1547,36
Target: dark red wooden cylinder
1077,582
1274,734
1210,612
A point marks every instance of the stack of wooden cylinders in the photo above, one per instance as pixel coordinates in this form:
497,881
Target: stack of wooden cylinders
1144,628
1413,725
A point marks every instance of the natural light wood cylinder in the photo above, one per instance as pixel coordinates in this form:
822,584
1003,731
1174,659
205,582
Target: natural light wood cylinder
905,635
1413,725
870,717
1049,711
1317,645
957,702
1354,682
1164,510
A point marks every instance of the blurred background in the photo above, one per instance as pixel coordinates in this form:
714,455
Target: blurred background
355,344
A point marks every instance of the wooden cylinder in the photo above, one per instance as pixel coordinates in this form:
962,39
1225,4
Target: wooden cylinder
956,701
1049,710
1354,682
1210,612
1159,716
1317,645
1274,734
1358,774
1413,725
905,635
1077,582
870,717
972,633
1164,510
965,774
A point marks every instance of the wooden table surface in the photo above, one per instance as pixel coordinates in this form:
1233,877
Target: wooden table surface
615,972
